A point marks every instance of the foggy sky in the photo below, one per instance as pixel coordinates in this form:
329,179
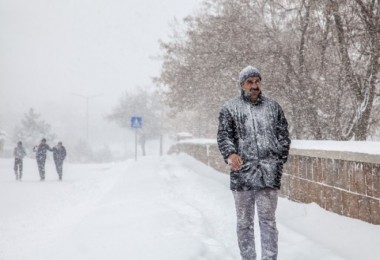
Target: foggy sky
52,49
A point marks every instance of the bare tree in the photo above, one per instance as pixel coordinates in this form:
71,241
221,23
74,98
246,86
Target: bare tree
319,58
361,68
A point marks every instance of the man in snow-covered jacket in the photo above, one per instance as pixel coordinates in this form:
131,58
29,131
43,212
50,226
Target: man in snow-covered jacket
253,139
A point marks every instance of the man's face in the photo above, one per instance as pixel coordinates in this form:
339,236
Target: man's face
252,87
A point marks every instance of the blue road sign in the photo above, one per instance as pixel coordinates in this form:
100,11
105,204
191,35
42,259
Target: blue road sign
136,122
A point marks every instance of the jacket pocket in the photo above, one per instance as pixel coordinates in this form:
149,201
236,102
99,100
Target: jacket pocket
270,174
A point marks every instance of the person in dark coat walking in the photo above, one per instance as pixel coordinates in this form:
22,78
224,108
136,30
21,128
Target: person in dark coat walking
59,155
254,141
41,151
19,154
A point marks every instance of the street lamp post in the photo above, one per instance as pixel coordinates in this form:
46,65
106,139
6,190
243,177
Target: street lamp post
87,98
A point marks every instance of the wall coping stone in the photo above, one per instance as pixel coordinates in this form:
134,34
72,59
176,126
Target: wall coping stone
338,155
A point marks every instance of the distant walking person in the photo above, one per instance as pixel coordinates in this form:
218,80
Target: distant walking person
253,139
19,154
41,150
59,155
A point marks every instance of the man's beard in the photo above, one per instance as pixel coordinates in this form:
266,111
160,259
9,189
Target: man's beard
248,93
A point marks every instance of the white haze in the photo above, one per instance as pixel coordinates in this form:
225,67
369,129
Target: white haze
52,49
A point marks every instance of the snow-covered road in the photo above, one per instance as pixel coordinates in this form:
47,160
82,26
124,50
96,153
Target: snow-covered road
170,207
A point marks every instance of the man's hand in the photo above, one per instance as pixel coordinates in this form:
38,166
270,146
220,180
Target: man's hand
235,162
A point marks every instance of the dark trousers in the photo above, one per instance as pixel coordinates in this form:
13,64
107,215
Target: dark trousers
59,166
18,168
41,167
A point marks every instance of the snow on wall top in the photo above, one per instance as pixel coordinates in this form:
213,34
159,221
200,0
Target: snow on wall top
366,147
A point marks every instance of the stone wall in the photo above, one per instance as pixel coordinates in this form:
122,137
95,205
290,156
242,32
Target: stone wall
342,182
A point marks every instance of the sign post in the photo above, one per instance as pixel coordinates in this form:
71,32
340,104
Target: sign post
136,122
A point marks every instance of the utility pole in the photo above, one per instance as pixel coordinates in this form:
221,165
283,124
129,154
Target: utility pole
136,122
87,98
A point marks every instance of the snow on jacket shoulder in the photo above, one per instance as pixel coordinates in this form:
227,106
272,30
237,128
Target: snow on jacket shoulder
258,133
